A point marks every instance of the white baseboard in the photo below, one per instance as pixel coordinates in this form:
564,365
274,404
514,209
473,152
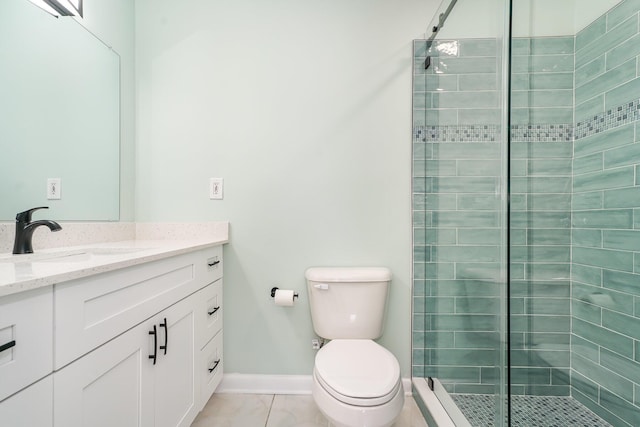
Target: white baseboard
265,384
406,384
275,384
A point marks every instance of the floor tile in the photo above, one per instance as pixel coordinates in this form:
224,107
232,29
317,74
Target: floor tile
295,411
410,415
235,410
261,410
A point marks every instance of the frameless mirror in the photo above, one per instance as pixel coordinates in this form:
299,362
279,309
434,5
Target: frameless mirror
59,117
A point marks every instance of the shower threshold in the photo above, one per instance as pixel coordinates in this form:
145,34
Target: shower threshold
529,411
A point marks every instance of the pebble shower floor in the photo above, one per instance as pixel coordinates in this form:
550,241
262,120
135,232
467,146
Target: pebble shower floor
529,411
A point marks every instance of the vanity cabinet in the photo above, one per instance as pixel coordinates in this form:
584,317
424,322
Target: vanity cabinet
137,346
144,377
93,310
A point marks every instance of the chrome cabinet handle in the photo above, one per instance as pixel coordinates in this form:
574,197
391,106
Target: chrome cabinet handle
7,346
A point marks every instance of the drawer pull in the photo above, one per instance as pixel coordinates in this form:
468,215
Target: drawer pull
214,263
155,344
215,365
7,346
166,336
215,309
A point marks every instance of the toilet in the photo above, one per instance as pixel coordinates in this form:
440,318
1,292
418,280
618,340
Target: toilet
356,381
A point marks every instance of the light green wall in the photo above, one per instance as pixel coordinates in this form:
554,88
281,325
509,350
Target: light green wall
304,108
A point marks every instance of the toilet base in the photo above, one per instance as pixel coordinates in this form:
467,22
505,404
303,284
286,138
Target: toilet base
342,415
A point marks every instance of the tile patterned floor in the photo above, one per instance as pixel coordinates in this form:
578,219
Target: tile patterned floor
268,410
529,411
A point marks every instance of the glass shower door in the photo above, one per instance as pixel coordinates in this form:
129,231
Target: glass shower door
459,205
567,234
575,109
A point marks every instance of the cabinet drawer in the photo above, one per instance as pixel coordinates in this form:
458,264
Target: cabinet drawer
209,313
210,368
31,407
26,336
213,258
93,310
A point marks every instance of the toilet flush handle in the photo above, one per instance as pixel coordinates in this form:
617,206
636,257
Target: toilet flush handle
322,286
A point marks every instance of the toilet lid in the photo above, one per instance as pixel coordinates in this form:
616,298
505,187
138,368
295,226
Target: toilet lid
358,369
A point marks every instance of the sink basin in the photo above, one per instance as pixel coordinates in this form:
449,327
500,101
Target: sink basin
77,255
90,254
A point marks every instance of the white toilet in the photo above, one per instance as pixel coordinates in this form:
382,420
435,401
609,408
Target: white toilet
356,382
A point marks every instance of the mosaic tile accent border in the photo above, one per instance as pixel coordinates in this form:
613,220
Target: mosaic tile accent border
612,118
529,411
491,133
453,133
542,133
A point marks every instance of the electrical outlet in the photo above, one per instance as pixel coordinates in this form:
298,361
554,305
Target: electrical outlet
54,189
215,188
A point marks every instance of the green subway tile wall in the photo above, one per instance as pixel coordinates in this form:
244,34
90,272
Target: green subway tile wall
605,233
541,175
575,215
463,240
457,250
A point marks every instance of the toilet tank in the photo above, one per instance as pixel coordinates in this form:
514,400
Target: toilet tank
348,303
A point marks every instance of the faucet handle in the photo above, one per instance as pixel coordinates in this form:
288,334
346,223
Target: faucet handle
26,215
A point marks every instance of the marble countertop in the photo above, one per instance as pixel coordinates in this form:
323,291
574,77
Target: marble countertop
19,273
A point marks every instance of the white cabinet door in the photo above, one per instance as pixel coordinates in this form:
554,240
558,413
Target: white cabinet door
111,386
175,389
31,407
118,384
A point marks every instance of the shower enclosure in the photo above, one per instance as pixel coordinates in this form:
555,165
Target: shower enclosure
526,213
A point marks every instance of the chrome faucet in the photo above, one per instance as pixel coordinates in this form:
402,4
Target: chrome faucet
25,228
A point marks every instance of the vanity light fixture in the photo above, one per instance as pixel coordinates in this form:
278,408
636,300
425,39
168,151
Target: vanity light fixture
60,7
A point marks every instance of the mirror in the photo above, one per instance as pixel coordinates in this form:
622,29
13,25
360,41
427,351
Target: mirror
59,117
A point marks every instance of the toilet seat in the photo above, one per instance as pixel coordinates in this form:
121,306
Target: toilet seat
358,372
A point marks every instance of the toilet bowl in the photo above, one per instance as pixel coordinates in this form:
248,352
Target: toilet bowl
356,382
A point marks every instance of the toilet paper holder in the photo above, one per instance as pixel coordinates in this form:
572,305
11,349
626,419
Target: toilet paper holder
274,289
